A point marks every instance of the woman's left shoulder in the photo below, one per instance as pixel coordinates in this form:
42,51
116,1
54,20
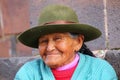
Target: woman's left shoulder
96,60
102,68
97,63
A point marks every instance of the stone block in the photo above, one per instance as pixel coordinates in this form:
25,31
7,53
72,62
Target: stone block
9,47
14,16
22,50
113,57
1,33
9,66
113,15
4,48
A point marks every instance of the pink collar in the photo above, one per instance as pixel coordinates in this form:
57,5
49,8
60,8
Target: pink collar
70,65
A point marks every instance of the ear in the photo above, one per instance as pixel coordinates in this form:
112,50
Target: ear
79,42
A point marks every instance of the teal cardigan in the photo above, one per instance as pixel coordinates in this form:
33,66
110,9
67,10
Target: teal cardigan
89,68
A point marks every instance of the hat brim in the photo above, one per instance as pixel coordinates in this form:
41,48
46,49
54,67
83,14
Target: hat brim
30,37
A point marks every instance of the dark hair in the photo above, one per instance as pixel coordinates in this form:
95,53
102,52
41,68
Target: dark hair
85,50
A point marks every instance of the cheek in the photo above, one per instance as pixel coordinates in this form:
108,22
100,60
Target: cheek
61,46
41,50
65,48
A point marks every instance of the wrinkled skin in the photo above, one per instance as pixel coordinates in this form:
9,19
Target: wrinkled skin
58,49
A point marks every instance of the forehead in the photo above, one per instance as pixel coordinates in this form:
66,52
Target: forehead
55,34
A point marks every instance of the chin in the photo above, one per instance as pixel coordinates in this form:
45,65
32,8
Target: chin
53,64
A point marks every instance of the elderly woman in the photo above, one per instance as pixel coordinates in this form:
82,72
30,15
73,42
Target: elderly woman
60,39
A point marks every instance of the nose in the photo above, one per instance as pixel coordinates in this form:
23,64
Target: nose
51,45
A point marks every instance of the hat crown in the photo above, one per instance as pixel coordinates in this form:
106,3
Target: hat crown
57,12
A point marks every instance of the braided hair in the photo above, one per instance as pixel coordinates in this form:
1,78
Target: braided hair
85,50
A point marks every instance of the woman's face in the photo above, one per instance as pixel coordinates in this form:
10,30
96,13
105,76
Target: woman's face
58,49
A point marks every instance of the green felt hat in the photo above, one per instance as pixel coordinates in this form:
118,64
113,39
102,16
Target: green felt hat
54,13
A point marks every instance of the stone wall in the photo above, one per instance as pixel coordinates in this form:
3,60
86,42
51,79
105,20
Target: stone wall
113,57
104,14
9,66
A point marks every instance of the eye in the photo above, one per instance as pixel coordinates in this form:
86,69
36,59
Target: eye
58,38
43,41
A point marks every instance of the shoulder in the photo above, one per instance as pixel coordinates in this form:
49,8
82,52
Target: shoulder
94,60
32,64
100,67
96,63
29,70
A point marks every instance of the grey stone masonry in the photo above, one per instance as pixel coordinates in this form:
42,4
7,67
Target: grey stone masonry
113,19
113,57
9,66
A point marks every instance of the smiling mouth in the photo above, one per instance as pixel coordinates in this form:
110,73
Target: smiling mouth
51,54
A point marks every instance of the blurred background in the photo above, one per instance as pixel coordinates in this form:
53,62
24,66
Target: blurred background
18,15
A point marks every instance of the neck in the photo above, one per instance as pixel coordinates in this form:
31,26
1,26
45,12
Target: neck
70,65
